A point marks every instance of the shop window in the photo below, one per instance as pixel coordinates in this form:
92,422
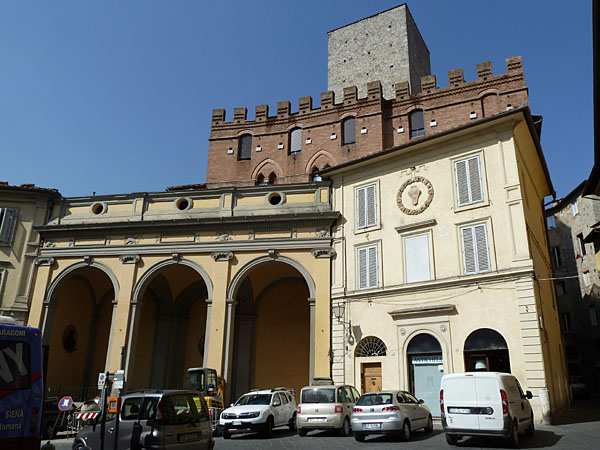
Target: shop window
416,121
468,181
349,130
245,147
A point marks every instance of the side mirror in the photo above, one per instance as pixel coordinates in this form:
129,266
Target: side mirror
529,395
276,403
421,401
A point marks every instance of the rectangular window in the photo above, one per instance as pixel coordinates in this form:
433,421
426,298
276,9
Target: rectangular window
566,321
586,278
575,207
581,244
245,147
468,181
593,316
476,256
296,141
8,219
560,288
368,267
366,206
556,257
416,257
349,131
551,221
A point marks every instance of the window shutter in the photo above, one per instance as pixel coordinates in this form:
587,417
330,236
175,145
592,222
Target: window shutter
296,141
461,183
483,259
361,207
475,180
362,268
7,223
468,250
371,206
373,267
349,130
245,147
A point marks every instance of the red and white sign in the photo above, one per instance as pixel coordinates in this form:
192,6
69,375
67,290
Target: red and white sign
86,415
65,403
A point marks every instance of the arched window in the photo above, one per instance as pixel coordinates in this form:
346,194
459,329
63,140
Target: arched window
273,178
349,130
244,147
370,346
486,349
260,180
295,141
417,123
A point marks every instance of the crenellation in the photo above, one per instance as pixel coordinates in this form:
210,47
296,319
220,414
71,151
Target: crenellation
402,90
514,65
374,90
240,114
428,84
350,94
305,104
455,77
327,99
218,116
484,70
261,113
283,109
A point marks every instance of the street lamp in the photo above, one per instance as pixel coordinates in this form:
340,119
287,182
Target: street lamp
338,311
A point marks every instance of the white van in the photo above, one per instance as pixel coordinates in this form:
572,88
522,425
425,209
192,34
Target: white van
484,404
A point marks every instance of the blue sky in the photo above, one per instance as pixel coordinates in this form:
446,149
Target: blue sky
116,97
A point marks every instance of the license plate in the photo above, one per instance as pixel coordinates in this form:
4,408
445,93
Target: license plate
317,419
236,422
188,437
371,426
459,410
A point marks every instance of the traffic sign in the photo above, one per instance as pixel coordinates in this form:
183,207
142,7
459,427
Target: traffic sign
65,403
101,380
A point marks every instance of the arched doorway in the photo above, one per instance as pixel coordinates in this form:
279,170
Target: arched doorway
371,379
486,350
271,342
170,326
76,329
426,366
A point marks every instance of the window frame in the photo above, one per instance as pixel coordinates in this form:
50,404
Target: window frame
476,253
291,151
470,203
368,225
575,208
556,258
369,283
345,121
551,222
416,132
430,255
8,225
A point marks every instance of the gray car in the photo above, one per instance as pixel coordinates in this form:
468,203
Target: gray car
390,412
153,419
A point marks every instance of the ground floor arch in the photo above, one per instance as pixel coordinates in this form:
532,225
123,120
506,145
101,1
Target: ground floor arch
486,349
426,367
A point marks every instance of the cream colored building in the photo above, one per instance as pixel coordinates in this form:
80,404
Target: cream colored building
442,264
236,279
21,209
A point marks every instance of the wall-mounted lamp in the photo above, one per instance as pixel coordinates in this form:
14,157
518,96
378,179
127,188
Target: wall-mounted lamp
338,311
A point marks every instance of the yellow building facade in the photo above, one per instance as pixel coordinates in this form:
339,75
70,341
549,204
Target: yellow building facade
233,279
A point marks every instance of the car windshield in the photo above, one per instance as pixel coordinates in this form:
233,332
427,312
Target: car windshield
254,399
318,395
374,399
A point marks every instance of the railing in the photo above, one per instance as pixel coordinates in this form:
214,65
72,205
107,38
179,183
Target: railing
77,393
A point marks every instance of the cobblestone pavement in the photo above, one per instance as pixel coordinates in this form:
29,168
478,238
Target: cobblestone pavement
579,430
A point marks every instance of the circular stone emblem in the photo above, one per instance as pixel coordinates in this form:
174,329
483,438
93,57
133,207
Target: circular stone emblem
415,195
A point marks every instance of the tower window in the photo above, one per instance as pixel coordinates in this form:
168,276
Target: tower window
245,147
417,123
349,130
295,141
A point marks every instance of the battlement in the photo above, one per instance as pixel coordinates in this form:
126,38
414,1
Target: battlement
429,91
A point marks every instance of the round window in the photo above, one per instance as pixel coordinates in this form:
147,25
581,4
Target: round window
183,203
98,208
275,198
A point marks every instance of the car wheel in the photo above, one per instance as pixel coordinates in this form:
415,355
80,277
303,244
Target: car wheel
345,430
513,439
226,433
268,431
451,439
405,432
292,424
530,431
360,437
429,427
301,432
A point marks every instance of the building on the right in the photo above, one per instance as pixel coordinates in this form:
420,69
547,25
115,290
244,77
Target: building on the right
570,221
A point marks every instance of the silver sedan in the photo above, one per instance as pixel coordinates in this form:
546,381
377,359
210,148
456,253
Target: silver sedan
390,412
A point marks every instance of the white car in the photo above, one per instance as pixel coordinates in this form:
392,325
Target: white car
485,404
260,410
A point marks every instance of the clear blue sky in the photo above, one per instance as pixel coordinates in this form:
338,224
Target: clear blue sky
116,97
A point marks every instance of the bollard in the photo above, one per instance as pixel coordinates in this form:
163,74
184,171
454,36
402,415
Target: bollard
545,405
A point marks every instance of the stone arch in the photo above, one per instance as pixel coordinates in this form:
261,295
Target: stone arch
320,159
266,166
348,114
235,283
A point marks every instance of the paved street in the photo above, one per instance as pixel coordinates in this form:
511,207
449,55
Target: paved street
579,430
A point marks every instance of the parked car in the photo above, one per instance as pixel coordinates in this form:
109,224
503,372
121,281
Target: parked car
153,419
260,410
485,404
390,412
326,407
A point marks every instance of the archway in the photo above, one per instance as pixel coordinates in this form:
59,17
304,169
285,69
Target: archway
426,366
170,323
271,343
76,329
486,350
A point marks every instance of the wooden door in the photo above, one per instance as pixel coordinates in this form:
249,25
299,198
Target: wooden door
371,377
